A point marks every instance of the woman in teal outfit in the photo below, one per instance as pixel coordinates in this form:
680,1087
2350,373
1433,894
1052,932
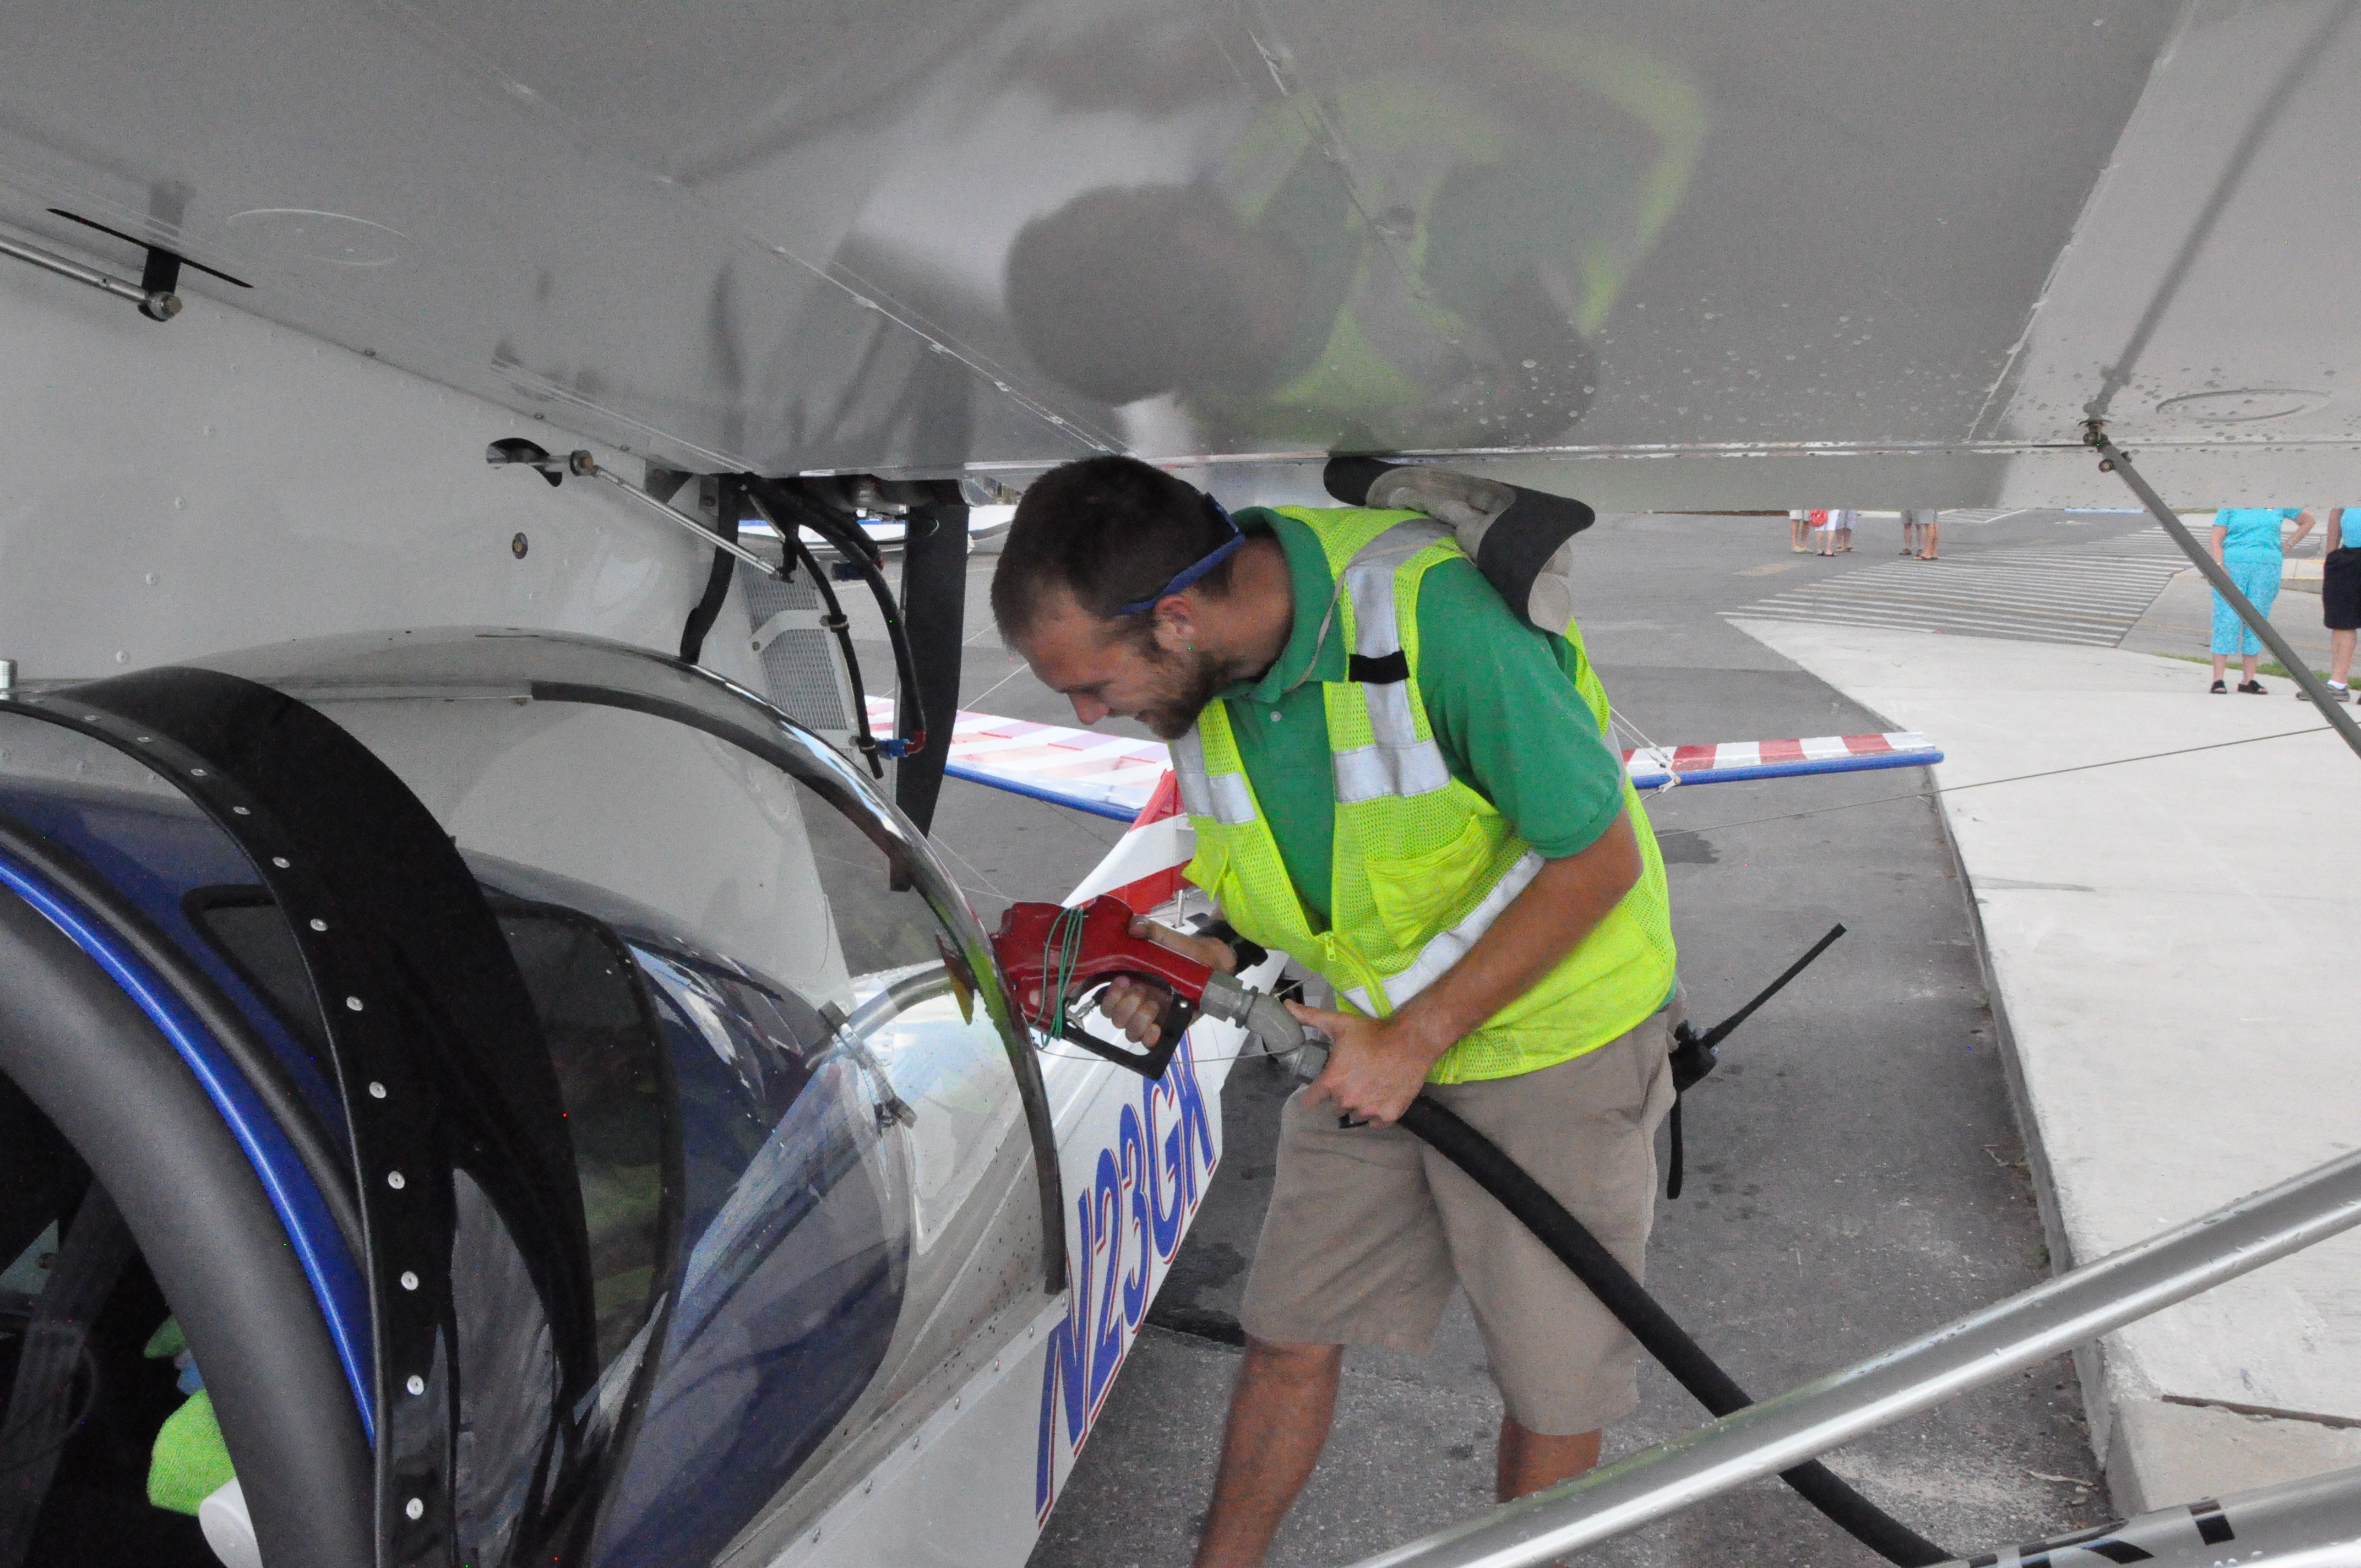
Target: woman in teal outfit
2246,543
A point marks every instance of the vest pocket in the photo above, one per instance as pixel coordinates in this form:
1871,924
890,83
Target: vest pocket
1212,871
1417,894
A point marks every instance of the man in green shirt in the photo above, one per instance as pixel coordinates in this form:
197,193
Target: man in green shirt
1423,811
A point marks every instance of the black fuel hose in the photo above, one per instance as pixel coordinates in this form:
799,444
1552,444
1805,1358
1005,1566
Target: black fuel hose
1654,1327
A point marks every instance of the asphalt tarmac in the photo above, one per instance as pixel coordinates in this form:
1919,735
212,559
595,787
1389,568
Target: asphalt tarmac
1855,1170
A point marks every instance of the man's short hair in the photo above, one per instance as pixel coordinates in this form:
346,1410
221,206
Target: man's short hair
1110,530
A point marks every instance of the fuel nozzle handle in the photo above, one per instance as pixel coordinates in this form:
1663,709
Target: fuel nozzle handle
1045,950
1051,954
1265,1017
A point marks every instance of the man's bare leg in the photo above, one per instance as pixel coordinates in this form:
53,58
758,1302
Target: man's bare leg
1531,1460
2340,655
1280,1411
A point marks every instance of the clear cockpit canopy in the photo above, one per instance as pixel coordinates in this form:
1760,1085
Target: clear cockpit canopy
808,1134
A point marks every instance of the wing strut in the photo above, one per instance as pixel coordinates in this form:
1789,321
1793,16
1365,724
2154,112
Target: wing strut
2114,460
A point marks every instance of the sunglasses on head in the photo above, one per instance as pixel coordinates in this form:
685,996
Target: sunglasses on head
1181,583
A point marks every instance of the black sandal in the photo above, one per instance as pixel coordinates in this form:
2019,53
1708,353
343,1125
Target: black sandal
2253,688
2218,688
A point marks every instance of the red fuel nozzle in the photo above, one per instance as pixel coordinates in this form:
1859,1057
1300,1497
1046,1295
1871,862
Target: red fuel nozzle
1029,947
1052,951
1057,953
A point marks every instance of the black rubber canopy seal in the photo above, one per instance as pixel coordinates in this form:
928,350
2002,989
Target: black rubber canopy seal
437,1050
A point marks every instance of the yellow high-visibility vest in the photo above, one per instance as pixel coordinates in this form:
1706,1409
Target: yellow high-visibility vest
1423,863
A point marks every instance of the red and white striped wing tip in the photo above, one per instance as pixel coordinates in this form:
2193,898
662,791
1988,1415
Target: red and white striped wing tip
1144,868
1731,760
1114,776
1109,774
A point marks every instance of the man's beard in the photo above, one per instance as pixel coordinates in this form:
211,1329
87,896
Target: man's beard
1195,678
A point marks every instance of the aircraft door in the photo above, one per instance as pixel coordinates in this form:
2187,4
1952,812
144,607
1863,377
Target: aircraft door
807,1131
479,1109
693,1146
162,1120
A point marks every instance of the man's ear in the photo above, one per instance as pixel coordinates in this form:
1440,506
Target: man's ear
1177,627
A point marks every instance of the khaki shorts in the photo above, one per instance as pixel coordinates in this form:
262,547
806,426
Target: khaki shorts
1369,1229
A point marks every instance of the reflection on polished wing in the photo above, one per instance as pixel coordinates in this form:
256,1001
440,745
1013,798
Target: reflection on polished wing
1888,256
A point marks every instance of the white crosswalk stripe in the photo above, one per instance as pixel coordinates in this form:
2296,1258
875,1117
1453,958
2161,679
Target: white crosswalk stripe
2089,595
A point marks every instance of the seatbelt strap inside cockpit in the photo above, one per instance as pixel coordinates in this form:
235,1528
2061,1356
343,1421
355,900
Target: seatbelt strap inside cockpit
43,1410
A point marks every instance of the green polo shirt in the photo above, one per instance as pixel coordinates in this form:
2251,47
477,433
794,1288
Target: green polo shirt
1509,721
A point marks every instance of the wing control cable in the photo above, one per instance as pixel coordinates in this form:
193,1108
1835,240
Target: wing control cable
775,503
783,509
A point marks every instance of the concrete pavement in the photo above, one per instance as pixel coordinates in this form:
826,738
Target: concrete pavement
2171,941
2180,621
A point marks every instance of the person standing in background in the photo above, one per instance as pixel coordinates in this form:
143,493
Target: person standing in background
1800,531
2246,543
2340,596
1921,527
1834,527
1824,531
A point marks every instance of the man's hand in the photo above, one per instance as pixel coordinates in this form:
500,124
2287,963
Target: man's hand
1376,1066
1132,1005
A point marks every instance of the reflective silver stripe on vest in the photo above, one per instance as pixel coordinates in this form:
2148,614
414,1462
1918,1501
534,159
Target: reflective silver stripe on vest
1451,946
1232,801
1370,772
1188,771
1398,763
1225,797
1369,578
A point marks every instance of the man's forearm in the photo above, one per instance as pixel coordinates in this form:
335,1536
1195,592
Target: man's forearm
1562,906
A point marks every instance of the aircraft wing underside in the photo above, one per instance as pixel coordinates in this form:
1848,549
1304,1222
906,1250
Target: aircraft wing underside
1660,255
